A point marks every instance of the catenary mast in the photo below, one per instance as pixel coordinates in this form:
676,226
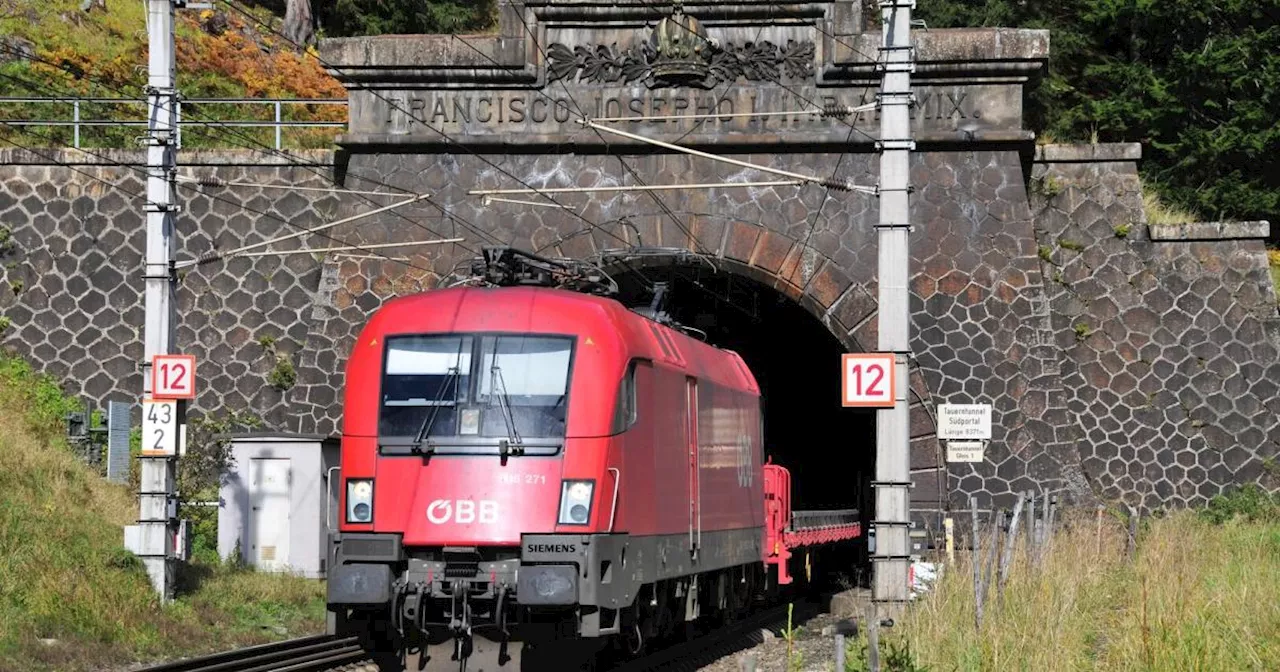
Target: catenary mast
892,480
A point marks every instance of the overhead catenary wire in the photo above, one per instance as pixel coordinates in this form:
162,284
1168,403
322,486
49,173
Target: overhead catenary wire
536,204
292,161
817,215
213,181
813,105
621,161
239,251
693,240
445,211
366,256
636,187
136,194
393,105
830,183
215,126
824,112
348,248
52,160
816,26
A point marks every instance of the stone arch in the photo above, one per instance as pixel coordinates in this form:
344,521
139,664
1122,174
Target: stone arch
852,325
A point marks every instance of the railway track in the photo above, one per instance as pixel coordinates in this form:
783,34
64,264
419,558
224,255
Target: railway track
318,653
708,647
326,653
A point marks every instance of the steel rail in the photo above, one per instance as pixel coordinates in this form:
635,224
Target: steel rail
302,654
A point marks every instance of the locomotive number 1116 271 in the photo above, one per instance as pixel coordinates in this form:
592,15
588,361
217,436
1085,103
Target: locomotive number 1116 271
525,479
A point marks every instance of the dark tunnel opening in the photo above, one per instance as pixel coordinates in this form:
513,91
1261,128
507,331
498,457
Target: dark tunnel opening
829,449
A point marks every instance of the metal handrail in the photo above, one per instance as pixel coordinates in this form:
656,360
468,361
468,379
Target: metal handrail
328,488
233,101
279,124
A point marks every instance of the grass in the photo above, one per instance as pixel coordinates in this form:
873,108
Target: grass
1160,213
1200,594
70,597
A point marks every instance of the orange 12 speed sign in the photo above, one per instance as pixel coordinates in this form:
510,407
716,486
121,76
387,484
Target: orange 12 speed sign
173,377
867,379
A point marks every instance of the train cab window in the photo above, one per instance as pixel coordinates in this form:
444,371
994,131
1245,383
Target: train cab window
422,373
625,411
465,393
529,375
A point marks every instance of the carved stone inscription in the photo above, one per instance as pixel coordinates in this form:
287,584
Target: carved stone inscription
609,64
557,111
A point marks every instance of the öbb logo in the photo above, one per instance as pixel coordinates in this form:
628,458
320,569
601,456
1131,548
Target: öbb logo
462,511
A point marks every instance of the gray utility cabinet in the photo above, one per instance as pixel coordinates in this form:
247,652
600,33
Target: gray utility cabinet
277,501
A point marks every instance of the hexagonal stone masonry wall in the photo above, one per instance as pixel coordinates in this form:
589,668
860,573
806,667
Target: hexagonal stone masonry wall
72,283
986,329
1169,349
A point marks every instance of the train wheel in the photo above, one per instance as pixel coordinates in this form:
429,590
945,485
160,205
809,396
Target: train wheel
376,636
633,641
564,656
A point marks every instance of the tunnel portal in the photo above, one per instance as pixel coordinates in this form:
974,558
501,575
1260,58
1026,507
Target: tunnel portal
829,449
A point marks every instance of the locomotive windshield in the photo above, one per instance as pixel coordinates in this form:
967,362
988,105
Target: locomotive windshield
464,393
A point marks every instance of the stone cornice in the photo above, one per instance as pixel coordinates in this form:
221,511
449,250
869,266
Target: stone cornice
1255,230
958,55
511,59
1109,152
553,60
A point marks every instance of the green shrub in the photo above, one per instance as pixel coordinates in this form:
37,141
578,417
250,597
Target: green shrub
1249,502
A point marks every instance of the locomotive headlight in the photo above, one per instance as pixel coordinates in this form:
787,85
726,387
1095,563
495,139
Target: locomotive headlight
575,502
360,500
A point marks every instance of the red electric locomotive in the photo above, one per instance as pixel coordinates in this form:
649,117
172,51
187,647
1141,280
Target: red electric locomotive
527,470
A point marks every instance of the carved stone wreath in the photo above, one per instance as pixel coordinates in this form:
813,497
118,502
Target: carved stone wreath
607,64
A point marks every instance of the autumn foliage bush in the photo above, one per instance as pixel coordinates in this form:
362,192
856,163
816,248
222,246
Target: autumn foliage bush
103,53
229,46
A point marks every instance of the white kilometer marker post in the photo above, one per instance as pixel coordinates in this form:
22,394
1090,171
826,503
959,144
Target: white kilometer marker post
892,556
157,519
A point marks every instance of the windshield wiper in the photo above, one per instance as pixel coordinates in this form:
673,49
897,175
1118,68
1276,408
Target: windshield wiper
427,422
512,444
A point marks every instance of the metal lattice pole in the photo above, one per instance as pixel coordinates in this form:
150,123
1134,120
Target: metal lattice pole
156,493
892,519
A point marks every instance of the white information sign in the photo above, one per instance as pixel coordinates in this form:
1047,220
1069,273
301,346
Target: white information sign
159,427
964,451
964,421
868,379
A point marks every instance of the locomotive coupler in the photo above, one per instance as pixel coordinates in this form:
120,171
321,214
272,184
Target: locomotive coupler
501,617
408,603
460,624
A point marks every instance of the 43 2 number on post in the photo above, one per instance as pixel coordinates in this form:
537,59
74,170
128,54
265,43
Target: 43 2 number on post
159,427
868,379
